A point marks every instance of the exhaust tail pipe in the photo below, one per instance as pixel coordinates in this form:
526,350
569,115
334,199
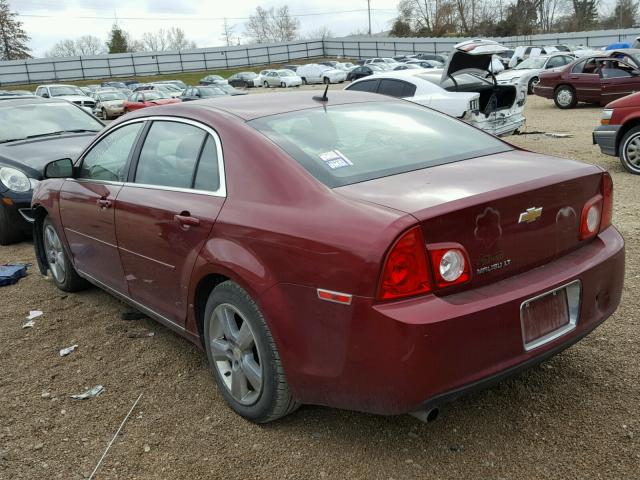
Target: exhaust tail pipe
426,416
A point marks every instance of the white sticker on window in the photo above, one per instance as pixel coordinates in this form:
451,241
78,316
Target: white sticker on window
335,159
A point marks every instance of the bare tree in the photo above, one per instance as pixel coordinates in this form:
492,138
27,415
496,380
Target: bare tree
178,40
13,39
155,41
320,32
173,38
272,25
227,33
85,45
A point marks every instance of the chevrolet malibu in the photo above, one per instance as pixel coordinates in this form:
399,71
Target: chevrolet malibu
338,251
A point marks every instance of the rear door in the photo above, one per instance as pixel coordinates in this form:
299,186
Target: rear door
87,206
166,211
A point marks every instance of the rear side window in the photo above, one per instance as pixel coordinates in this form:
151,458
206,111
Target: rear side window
396,88
170,154
207,174
345,144
365,86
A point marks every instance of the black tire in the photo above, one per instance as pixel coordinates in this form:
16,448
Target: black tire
532,83
266,84
304,81
9,233
565,97
282,85
274,400
104,115
326,80
630,151
71,282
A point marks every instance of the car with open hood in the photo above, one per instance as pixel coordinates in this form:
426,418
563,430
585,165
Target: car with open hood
527,72
596,79
352,250
33,132
468,69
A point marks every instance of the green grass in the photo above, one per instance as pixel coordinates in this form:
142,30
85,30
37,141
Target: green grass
190,78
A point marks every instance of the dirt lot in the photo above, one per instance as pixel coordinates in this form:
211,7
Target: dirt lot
576,416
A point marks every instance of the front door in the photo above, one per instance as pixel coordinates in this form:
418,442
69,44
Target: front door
87,206
166,211
618,80
586,80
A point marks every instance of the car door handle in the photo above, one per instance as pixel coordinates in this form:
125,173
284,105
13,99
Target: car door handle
103,203
186,220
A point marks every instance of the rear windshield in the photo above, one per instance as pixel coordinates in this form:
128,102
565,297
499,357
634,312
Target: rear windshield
357,142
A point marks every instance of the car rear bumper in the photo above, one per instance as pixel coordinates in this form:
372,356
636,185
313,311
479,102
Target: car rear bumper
399,357
606,136
504,122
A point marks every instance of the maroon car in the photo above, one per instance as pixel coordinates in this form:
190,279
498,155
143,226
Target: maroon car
595,79
619,131
361,252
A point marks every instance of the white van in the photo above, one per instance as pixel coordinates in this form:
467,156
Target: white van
315,73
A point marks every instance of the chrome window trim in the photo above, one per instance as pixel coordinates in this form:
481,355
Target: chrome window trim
222,190
574,297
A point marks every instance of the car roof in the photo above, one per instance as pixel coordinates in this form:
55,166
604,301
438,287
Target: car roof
250,107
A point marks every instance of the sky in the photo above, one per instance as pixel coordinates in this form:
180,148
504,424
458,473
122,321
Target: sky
49,21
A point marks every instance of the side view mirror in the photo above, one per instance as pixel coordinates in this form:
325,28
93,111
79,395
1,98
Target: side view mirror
45,95
62,168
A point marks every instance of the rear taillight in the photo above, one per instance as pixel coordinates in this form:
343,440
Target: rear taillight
597,212
405,272
590,218
450,266
607,201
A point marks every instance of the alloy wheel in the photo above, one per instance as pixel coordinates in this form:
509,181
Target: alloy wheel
565,97
631,152
55,253
235,353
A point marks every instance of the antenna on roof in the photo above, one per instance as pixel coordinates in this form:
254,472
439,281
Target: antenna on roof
324,97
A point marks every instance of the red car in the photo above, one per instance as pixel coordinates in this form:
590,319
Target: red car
361,252
619,131
595,79
138,100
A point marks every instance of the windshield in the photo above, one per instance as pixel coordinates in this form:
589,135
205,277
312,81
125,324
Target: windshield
106,97
375,67
22,121
286,73
249,75
357,142
210,92
154,95
531,62
59,91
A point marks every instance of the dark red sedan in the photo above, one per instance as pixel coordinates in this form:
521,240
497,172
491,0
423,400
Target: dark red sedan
596,79
147,98
362,252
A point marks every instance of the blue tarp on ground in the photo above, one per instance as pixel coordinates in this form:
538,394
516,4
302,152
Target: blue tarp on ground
10,274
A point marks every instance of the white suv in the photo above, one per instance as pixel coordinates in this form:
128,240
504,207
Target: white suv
315,73
70,93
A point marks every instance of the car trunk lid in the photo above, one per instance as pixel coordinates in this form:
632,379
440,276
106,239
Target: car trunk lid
511,211
471,55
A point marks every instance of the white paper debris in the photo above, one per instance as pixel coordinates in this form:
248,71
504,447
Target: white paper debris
34,314
91,393
66,351
558,135
29,324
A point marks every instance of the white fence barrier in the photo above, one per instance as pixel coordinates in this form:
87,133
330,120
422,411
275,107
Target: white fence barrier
124,65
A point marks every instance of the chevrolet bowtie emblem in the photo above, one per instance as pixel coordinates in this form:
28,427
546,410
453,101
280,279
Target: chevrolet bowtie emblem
530,215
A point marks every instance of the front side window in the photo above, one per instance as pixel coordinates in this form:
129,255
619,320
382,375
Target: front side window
364,141
170,154
108,158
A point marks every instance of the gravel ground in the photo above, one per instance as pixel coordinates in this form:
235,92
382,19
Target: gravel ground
575,416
